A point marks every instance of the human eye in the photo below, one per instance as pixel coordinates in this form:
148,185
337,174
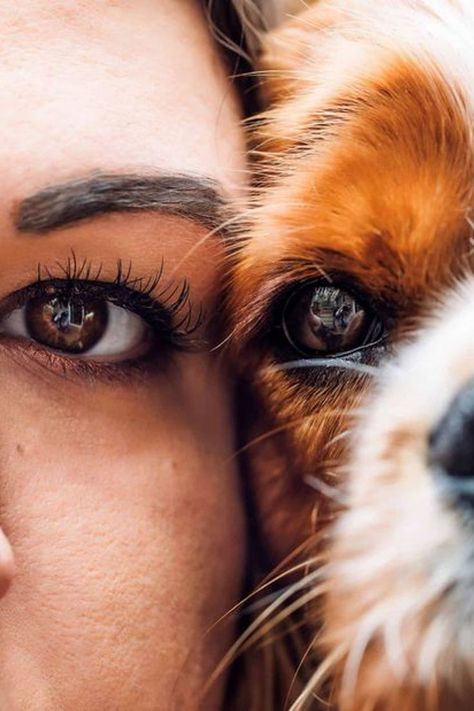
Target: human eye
82,321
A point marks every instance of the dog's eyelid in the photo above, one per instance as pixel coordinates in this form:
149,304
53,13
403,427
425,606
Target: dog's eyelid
262,315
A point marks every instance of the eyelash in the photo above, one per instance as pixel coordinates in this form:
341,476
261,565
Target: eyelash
169,311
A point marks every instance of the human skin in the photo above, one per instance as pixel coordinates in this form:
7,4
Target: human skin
119,498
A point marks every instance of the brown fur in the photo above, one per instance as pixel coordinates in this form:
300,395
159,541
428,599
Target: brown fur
365,173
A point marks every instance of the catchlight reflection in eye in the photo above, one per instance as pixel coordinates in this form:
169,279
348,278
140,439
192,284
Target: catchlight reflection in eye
326,320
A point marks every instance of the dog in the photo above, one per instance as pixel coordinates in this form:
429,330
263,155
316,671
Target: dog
352,305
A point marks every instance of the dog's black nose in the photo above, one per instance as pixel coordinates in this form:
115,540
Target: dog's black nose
451,446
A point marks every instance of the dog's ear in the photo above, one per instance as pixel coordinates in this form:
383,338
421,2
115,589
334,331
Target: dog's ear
289,50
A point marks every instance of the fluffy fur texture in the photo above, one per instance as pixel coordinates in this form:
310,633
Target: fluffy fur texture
364,179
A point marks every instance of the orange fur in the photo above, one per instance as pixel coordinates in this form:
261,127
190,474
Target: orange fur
364,172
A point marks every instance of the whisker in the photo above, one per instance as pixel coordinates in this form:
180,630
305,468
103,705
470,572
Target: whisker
268,599
304,657
337,363
307,564
286,629
265,585
272,433
333,412
240,643
330,492
318,677
220,229
285,614
337,438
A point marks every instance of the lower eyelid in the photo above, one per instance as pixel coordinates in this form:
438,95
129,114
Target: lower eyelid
48,363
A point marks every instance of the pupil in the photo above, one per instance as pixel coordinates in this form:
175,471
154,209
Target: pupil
73,324
332,313
327,320
67,315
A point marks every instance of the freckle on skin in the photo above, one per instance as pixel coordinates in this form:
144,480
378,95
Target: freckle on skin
20,449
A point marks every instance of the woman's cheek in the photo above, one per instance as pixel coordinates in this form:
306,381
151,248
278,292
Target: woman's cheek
107,494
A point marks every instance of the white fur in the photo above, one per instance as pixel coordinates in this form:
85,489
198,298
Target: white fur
403,553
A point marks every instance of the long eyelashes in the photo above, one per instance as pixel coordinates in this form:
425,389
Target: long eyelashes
167,309
163,305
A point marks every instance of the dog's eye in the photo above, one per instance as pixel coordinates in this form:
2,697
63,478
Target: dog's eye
320,319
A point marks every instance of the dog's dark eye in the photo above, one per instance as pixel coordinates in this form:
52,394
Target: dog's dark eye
320,319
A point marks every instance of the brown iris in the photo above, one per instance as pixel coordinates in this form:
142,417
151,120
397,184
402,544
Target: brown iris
323,319
66,322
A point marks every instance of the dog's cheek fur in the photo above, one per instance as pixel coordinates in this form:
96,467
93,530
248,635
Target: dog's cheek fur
399,613
292,443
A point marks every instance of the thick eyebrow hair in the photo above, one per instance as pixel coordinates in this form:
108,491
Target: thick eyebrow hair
190,197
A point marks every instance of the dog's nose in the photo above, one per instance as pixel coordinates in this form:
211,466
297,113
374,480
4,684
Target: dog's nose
451,446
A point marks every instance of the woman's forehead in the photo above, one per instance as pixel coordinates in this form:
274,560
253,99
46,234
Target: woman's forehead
106,86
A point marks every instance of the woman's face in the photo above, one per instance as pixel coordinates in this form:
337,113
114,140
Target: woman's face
118,492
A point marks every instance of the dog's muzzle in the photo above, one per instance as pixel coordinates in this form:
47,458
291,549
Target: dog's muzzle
451,447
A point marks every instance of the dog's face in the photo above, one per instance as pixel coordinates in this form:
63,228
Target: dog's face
353,299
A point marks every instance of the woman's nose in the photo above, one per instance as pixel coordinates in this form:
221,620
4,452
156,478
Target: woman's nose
7,563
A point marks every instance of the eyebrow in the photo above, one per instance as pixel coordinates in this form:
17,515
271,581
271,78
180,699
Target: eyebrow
190,197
